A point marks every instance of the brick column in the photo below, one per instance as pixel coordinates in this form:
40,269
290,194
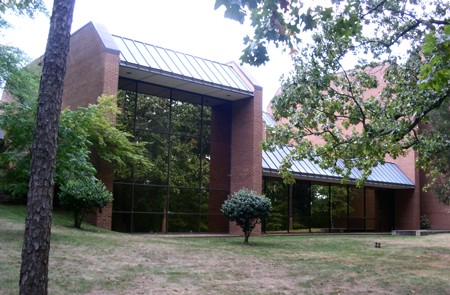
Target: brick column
220,152
246,154
407,201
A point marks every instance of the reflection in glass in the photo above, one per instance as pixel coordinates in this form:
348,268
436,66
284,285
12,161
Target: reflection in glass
148,223
184,200
171,195
121,221
320,211
122,197
306,207
277,192
339,208
149,198
300,207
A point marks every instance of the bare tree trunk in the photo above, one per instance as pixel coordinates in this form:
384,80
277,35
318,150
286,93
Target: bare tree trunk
36,245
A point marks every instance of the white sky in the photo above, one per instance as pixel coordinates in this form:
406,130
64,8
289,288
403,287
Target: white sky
192,27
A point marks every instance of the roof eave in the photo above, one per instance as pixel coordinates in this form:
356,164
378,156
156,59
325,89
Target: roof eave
337,180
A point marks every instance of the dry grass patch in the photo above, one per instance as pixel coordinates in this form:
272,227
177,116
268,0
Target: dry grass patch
93,261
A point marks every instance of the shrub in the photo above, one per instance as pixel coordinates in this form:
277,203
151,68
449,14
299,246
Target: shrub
247,209
424,222
83,195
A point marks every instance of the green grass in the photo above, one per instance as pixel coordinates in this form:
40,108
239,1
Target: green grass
94,261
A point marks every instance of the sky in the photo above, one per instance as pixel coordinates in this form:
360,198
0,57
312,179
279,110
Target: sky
192,27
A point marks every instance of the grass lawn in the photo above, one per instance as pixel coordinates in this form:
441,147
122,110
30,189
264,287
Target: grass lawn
93,261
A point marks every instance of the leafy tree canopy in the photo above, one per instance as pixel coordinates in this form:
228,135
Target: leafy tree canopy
81,131
11,58
367,74
22,7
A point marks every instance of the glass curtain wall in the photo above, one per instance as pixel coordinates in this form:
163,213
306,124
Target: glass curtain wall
172,195
320,208
278,194
315,207
301,194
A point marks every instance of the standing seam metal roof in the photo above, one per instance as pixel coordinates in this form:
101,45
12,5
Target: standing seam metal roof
183,66
385,175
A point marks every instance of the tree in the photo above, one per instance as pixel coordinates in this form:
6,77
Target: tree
247,209
36,246
11,58
81,131
82,195
21,7
440,161
398,49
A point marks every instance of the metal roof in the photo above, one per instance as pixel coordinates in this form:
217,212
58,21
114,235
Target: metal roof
269,120
162,66
386,175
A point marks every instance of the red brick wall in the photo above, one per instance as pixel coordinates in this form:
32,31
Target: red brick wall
411,204
407,202
220,151
246,136
246,154
92,70
407,209
437,213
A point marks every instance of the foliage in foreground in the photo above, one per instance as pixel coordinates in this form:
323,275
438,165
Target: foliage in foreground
247,209
81,131
12,59
400,55
82,196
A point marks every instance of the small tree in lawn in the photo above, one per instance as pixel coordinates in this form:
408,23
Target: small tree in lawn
247,209
83,195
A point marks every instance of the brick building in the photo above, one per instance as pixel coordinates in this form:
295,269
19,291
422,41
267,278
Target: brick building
202,122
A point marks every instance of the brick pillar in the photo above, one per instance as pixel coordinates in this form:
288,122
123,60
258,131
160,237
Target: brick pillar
220,152
407,202
437,213
92,70
246,154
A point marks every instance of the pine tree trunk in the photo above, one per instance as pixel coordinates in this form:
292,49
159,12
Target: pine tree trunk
36,245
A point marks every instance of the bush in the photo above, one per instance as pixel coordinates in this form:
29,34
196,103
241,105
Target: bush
247,209
83,195
424,222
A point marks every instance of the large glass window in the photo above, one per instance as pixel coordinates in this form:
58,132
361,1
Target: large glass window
339,208
278,194
319,207
300,207
173,194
